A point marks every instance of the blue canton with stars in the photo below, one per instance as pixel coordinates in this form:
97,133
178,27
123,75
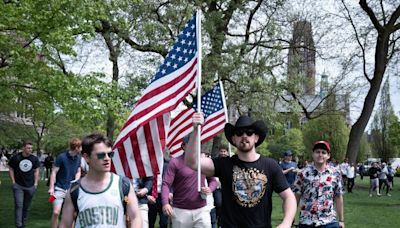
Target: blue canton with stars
182,52
211,101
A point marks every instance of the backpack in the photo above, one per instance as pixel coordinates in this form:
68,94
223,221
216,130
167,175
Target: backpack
124,188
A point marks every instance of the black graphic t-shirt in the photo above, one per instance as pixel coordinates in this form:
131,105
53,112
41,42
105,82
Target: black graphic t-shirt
24,168
247,190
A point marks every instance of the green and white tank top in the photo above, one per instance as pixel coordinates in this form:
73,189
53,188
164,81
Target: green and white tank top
101,209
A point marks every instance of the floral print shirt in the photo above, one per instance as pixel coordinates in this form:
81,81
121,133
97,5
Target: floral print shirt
317,192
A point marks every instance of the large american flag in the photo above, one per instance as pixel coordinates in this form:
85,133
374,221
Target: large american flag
213,107
140,144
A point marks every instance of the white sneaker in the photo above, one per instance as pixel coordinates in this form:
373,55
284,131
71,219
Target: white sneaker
388,194
370,195
378,194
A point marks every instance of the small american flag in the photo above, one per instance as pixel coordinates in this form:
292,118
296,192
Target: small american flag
213,107
140,144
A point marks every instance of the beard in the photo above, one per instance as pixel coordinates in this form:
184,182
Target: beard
245,146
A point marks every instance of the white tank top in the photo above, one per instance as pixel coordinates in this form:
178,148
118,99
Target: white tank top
101,209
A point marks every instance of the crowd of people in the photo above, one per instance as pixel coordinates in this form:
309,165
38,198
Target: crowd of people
236,191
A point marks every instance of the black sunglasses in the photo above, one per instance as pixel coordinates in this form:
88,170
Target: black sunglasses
102,155
241,131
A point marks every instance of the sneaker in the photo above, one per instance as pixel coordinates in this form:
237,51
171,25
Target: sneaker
388,194
378,194
370,195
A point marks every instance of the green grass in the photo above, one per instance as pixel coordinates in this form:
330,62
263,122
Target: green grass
361,211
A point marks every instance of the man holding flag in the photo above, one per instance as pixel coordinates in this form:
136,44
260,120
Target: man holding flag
248,178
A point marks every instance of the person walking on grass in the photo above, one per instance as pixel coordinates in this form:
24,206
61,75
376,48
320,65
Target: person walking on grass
99,202
248,178
24,175
373,179
351,175
383,179
319,191
66,169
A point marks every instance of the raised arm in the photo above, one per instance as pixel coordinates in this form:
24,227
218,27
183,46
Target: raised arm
191,151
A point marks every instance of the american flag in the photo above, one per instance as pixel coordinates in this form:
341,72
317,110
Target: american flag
140,144
213,107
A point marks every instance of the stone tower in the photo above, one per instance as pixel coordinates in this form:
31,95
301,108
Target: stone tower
301,60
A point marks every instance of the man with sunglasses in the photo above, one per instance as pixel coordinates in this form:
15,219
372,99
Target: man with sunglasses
66,169
318,188
99,203
248,179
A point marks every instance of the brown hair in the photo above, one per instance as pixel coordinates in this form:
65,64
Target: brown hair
96,138
75,143
27,142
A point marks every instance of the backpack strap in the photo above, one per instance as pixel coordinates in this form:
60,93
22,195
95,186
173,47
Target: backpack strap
74,193
124,188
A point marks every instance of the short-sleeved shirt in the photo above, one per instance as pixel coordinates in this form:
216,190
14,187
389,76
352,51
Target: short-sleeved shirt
68,168
247,190
290,176
24,169
317,192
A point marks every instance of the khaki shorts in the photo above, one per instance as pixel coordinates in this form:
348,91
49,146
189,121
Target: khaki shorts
59,193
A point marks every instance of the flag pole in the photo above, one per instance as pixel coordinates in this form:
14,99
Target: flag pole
225,109
198,37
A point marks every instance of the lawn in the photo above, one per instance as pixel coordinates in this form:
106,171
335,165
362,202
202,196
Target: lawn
361,211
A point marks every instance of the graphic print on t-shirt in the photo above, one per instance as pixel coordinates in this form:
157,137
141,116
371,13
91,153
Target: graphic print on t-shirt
248,185
25,165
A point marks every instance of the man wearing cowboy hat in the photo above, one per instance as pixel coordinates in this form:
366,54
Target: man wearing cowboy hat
317,187
247,178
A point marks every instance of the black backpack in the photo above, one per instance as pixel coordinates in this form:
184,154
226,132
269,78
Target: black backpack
124,188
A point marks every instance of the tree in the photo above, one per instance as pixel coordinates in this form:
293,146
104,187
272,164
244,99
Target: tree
331,128
383,16
381,125
291,140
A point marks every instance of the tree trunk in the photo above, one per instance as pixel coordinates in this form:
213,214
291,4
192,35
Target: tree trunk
357,130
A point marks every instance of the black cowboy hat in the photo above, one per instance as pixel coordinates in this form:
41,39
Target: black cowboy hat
246,122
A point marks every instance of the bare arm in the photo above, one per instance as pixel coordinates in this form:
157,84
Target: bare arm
78,174
132,210
339,210
11,173
53,179
191,152
289,208
68,211
36,177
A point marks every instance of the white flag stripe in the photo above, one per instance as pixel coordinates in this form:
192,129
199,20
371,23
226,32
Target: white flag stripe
178,134
143,147
213,127
187,114
117,162
129,157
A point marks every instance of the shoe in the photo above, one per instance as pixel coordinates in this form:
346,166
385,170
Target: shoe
370,195
378,194
388,194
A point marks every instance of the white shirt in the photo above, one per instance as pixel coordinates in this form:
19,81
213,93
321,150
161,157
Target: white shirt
350,172
101,209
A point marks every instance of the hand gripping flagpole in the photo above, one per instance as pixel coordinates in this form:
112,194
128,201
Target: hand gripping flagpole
198,33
